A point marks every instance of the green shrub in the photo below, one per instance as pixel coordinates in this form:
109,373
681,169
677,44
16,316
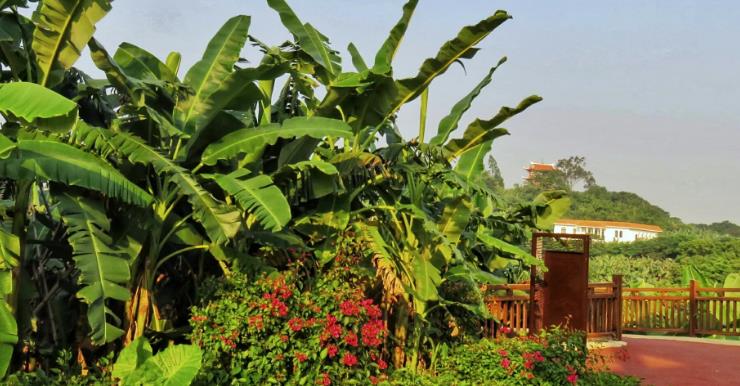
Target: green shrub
280,329
65,372
554,357
636,270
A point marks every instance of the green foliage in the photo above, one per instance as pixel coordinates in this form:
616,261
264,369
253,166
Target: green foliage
173,366
637,271
554,357
64,28
289,329
714,256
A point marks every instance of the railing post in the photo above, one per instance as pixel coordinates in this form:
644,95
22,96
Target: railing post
692,308
617,279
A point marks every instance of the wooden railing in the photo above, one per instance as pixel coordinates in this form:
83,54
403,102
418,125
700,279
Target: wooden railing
509,305
604,311
689,310
686,311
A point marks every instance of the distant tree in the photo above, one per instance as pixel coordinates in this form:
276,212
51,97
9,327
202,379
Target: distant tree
493,177
724,227
574,169
549,180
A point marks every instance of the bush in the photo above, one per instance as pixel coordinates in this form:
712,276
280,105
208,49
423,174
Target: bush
281,329
65,372
636,270
554,357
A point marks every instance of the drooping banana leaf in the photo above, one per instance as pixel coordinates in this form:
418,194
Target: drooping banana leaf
221,221
259,196
461,47
357,59
138,63
115,74
384,56
481,131
63,28
311,41
449,123
55,161
38,106
103,265
217,63
470,164
254,139
9,254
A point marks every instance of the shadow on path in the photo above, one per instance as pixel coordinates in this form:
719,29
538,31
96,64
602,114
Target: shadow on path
663,362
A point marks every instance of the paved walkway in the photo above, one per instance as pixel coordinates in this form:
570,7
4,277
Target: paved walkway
681,361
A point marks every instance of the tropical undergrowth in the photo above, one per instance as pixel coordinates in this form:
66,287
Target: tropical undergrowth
124,199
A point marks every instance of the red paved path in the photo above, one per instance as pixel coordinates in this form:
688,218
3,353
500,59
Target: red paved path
680,363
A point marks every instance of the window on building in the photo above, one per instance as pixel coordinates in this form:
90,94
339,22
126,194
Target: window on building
562,230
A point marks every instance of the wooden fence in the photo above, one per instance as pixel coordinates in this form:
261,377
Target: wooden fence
612,309
687,311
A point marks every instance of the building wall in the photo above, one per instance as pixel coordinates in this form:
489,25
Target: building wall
606,234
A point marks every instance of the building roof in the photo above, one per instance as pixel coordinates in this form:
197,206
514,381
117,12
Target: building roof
538,167
610,224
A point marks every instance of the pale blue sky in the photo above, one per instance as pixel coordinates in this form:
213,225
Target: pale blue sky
648,91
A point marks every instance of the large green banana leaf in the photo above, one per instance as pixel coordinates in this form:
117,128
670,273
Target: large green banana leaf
311,41
38,106
470,165
237,92
9,253
55,161
258,195
176,365
63,28
220,221
387,51
103,265
115,74
252,140
206,76
449,123
481,131
461,47
140,64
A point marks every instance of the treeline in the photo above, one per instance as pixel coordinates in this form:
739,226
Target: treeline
590,201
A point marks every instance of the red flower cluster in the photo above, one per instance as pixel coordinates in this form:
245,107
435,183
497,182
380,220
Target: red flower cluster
372,333
296,324
256,322
331,329
349,360
199,318
372,310
351,339
531,358
349,308
332,350
301,356
324,380
572,377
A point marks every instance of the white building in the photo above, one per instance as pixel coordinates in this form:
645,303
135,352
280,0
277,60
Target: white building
608,230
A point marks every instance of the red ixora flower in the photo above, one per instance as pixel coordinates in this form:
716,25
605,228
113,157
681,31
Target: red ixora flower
324,380
382,364
505,363
332,350
503,353
372,310
284,338
301,357
374,380
349,308
573,378
351,339
349,360
372,332
295,324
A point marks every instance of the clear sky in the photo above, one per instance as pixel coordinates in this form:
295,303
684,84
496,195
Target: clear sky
647,91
